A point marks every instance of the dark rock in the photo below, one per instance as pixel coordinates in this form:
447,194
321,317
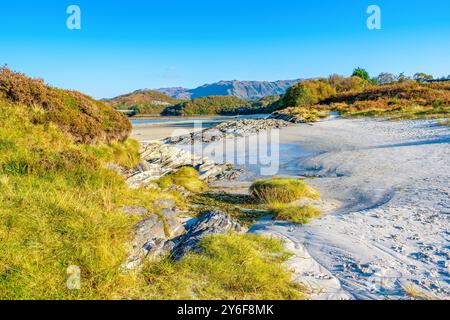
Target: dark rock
213,222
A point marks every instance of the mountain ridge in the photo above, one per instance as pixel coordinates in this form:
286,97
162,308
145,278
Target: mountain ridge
247,90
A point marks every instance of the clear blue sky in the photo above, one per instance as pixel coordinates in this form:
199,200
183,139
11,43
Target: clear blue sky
133,44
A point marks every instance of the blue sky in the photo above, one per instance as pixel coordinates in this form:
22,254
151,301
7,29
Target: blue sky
133,44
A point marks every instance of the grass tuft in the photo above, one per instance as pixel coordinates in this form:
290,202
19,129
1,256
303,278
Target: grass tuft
186,177
283,190
293,213
229,267
415,293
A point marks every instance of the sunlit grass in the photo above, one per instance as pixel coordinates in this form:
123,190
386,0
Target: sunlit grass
282,190
186,177
293,213
229,267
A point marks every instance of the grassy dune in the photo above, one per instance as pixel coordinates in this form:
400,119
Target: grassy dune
61,207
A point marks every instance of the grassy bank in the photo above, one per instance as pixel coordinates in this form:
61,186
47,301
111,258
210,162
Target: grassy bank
61,207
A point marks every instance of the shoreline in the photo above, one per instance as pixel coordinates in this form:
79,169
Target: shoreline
373,168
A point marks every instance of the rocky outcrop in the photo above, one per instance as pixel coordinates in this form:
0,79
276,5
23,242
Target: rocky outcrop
159,159
213,222
229,129
168,234
153,233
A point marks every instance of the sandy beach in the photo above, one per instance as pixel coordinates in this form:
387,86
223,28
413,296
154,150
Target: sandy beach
385,194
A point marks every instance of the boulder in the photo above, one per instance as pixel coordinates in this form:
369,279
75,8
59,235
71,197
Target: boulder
153,234
213,222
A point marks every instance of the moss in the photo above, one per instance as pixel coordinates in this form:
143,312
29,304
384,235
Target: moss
282,190
229,267
293,213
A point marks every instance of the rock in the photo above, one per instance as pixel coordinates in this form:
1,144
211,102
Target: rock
183,191
141,179
229,129
213,222
135,210
287,117
165,203
159,159
151,240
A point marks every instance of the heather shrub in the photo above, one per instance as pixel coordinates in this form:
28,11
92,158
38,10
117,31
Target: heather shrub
85,119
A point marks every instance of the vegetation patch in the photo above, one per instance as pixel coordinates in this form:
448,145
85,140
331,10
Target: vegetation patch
304,115
85,119
360,95
229,267
243,208
143,102
61,207
284,190
186,177
293,213
307,93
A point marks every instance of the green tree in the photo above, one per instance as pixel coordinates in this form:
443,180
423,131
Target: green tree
362,73
422,77
385,78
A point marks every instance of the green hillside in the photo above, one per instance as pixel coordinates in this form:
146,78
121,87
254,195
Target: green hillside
221,105
144,102
85,119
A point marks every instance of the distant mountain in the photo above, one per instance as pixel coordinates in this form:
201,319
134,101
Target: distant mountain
143,101
248,90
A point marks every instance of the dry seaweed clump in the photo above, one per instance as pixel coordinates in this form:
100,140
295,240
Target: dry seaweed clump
85,119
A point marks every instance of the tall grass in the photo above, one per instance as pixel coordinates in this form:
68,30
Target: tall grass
60,207
229,267
293,213
186,177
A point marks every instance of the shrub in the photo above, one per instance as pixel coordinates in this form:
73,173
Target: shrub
345,84
186,177
304,115
228,267
293,213
282,190
307,93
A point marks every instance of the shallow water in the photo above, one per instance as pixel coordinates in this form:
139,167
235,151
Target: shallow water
267,156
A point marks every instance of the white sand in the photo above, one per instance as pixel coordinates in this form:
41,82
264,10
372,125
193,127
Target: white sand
393,180
390,227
